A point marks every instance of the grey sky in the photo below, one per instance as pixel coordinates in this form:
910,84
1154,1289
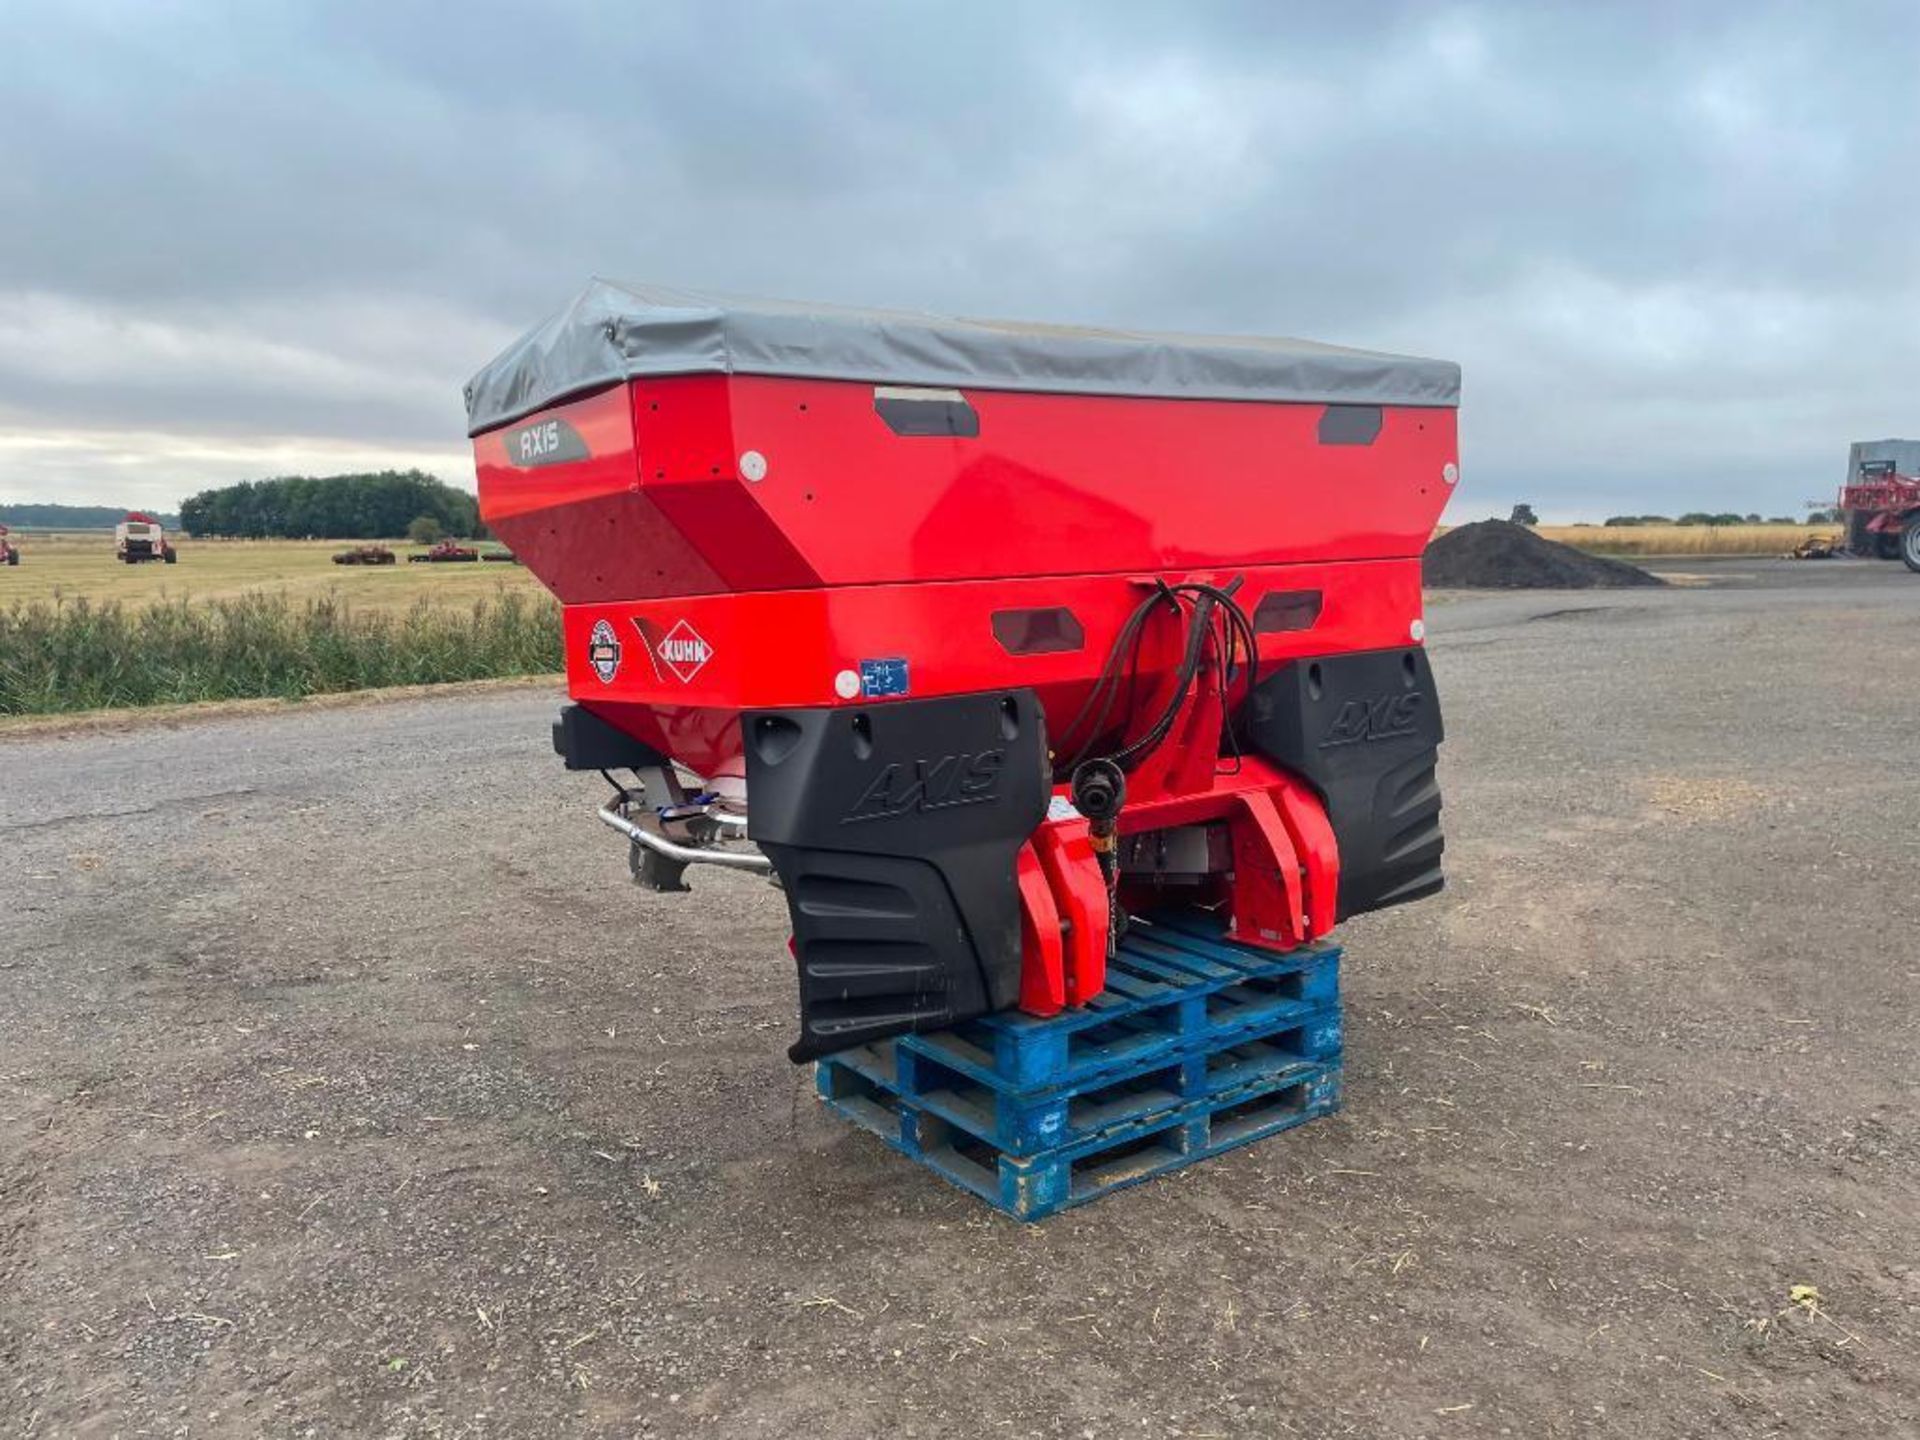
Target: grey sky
1676,247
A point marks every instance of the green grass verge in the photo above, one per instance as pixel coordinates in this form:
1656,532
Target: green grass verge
67,655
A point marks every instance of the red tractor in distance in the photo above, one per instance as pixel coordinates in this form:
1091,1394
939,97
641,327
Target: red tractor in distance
445,553
9,552
1882,509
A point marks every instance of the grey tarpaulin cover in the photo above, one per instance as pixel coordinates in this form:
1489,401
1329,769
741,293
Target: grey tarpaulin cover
617,332
1905,455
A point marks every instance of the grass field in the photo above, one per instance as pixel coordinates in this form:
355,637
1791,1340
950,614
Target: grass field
74,566
1651,540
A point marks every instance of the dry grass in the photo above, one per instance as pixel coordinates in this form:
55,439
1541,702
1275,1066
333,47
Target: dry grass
1648,540
72,654
76,566
240,619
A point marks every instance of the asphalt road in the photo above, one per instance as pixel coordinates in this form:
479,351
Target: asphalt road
348,1089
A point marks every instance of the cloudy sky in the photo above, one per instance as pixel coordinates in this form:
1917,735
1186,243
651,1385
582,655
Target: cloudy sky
1675,246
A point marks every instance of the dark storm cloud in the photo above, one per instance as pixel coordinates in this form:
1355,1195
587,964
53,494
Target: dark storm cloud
1671,244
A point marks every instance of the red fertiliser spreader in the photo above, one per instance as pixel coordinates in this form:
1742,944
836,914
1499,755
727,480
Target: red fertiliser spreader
979,637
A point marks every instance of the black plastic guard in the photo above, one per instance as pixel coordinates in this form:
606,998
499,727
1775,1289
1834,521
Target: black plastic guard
1364,730
586,742
894,829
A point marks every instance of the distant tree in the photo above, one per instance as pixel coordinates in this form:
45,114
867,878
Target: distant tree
1780,520
1823,517
424,530
1752,520
1523,515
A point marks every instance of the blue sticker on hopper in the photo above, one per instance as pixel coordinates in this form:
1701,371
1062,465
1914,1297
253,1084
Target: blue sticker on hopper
881,678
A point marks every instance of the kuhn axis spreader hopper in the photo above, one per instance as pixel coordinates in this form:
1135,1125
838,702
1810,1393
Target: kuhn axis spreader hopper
981,636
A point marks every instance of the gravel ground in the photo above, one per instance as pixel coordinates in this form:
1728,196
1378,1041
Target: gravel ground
348,1089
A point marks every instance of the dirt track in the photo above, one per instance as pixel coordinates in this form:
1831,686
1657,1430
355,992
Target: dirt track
347,1089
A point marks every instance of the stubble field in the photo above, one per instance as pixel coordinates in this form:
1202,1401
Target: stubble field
1684,540
72,566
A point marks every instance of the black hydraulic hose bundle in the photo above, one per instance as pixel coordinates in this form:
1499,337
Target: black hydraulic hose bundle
1106,687
1199,632
1208,603
1099,782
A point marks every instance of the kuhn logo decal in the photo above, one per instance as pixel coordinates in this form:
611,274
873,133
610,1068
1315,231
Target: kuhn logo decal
924,785
1387,718
545,442
683,651
603,651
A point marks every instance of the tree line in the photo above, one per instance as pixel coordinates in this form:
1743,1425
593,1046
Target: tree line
1725,517
73,517
377,506
1523,515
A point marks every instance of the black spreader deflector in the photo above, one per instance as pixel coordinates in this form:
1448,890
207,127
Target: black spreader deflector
894,828
586,742
1364,730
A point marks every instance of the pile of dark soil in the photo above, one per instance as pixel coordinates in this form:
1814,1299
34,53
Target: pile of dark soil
1494,555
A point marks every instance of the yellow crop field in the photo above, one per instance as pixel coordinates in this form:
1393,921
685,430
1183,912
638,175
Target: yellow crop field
73,565
1684,540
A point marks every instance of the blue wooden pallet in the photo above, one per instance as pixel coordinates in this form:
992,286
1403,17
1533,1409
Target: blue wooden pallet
1175,985
1033,1187
1026,1122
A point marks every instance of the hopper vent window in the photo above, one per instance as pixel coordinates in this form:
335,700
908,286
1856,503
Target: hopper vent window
1283,610
1350,424
1050,630
913,411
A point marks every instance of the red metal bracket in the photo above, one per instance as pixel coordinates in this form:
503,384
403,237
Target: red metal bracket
1283,889
1043,984
1080,893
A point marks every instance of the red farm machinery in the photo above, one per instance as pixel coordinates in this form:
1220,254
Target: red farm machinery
9,552
445,552
979,638
1881,505
140,538
364,555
